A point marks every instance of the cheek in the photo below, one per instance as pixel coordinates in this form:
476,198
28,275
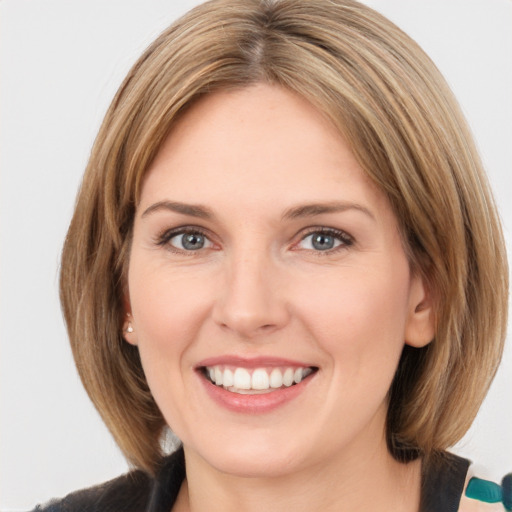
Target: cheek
167,306
168,312
358,319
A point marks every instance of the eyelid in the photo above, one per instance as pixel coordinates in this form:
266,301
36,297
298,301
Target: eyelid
164,237
346,239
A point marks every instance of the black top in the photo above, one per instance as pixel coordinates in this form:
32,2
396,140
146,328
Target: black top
443,483
442,487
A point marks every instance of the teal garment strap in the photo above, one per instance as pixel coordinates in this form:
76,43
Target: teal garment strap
484,490
490,492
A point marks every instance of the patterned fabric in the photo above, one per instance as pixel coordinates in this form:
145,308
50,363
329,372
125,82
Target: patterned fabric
485,496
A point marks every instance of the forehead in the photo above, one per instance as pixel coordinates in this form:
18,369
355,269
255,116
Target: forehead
263,145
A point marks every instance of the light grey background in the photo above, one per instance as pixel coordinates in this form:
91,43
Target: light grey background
61,63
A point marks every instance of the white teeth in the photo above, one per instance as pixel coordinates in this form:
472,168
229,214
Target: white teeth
260,379
227,379
242,379
306,372
276,378
288,377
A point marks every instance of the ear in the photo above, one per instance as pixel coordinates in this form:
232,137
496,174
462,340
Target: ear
420,327
129,332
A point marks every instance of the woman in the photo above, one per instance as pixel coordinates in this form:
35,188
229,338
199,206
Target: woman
285,250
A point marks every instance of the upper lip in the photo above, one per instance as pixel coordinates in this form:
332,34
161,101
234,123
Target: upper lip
251,362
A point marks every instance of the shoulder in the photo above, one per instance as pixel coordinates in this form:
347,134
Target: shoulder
450,483
133,492
443,480
128,492
470,505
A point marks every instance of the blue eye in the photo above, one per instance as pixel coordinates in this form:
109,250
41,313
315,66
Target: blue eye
186,241
325,240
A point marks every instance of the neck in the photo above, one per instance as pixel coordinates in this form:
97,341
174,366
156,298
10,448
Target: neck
372,480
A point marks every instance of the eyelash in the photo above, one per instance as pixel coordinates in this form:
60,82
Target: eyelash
164,238
346,240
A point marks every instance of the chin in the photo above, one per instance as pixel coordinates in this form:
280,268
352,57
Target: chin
258,465
255,459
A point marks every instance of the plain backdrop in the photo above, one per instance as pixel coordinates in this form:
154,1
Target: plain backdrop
61,62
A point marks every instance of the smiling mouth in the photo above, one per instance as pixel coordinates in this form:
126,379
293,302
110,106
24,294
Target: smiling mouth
255,381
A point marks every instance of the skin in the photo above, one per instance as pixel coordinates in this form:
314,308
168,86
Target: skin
259,287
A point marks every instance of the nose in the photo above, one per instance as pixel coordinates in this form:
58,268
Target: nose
251,302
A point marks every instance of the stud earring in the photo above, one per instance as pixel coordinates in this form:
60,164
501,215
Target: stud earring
129,328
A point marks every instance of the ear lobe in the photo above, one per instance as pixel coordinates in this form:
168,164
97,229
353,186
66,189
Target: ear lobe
420,327
128,329
129,333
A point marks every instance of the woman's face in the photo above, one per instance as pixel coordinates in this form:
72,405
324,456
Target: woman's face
262,256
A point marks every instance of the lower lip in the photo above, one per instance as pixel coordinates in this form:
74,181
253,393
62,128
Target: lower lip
254,404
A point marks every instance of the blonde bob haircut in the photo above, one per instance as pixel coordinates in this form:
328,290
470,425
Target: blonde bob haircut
395,110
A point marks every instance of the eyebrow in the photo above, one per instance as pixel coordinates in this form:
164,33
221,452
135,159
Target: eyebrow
296,212
310,210
193,210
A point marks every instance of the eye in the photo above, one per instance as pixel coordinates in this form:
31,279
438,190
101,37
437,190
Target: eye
325,239
185,240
